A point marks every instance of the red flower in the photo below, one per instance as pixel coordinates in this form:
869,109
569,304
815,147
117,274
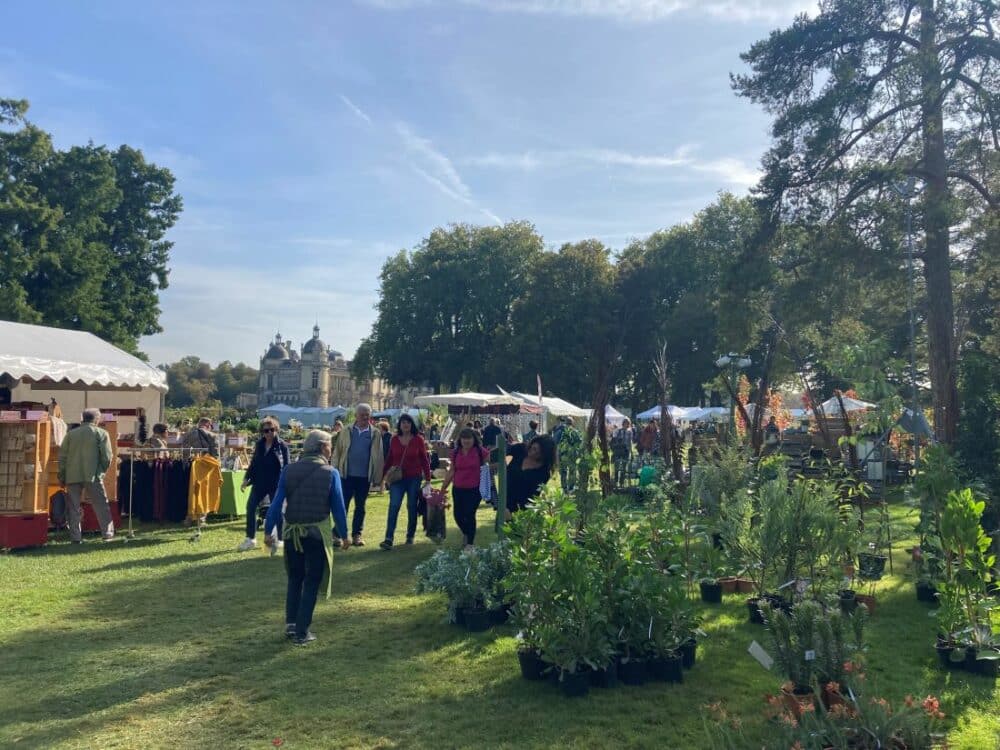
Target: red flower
931,705
277,742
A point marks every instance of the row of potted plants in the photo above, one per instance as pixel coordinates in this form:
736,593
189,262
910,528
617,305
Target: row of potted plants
603,602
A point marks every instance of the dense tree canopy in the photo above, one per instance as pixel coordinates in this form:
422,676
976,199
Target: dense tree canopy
869,95
194,383
82,233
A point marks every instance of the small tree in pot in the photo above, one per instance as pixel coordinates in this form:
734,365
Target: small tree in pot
793,641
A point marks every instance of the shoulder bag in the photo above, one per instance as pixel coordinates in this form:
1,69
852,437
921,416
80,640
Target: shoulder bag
395,473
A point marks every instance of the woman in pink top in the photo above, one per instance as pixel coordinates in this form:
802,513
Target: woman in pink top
463,476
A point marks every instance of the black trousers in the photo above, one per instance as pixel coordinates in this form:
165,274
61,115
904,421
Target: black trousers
465,503
356,488
253,503
305,574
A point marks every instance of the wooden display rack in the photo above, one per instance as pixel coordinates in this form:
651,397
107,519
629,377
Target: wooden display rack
24,455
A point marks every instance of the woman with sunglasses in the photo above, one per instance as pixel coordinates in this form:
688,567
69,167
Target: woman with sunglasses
270,456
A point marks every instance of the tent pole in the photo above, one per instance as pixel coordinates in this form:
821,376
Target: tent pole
501,484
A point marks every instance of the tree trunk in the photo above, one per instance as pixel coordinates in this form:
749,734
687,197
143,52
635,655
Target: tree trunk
937,260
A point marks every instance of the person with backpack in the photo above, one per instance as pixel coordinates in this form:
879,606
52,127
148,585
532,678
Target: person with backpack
467,460
621,451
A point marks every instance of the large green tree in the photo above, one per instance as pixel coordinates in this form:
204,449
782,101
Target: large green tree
559,325
869,93
83,233
444,306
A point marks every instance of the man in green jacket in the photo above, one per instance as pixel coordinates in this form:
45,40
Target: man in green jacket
84,457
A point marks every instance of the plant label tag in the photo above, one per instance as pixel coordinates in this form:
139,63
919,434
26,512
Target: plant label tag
763,658
701,633
786,585
810,655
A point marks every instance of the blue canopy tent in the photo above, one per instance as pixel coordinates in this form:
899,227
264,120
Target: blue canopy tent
309,416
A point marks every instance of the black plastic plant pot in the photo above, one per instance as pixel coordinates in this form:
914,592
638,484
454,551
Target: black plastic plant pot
606,677
871,567
753,607
499,615
633,672
848,600
926,592
477,619
988,667
667,668
944,655
532,665
689,650
711,592
575,684
459,617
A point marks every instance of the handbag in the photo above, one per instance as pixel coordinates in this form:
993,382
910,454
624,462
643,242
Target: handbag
395,473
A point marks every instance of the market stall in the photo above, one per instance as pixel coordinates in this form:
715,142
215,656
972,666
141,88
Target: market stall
512,412
39,364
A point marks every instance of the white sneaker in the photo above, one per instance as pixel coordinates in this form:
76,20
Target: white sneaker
276,548
247,544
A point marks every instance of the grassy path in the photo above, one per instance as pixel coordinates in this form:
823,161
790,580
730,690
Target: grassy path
168,643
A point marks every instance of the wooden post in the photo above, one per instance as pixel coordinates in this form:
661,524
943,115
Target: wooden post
501,484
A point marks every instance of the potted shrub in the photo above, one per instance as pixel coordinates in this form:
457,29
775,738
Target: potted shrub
968,564
444,572
753,532
712,567
793,639
839,648
573,634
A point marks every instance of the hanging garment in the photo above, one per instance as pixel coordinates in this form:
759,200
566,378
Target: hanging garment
178,481
161,471
205,489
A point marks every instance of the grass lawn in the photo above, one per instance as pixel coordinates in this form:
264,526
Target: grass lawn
166,643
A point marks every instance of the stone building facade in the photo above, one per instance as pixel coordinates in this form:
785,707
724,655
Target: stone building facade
316,375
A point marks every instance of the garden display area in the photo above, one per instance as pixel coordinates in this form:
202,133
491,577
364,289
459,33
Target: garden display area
161,641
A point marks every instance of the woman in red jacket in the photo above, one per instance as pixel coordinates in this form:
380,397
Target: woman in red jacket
408,451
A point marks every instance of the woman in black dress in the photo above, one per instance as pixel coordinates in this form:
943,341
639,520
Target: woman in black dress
530,468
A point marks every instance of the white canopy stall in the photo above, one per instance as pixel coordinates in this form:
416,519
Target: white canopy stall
553,405
79,371
513,412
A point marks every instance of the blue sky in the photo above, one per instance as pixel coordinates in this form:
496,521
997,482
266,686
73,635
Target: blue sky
311,140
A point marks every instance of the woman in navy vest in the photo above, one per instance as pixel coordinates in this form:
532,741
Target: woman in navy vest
270,456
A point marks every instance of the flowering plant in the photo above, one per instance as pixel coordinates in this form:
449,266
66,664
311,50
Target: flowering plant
851,722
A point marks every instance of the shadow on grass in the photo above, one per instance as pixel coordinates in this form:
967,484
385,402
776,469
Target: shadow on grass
158,562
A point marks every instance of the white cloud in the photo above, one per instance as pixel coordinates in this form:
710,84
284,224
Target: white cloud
637,11
439,171
356,109
733,171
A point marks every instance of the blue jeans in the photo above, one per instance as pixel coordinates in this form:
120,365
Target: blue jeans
410,488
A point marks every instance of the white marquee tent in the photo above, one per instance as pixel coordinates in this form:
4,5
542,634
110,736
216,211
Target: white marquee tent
557,407
832,408
78,370
468,399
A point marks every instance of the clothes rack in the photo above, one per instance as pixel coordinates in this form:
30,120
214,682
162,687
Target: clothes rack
168,453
